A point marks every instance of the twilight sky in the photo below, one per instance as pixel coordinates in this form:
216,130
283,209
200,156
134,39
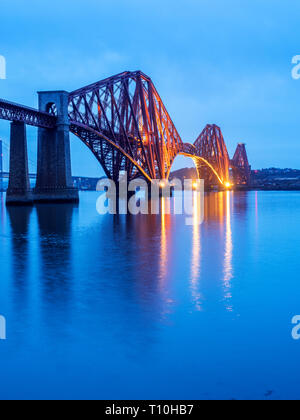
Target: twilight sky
212,61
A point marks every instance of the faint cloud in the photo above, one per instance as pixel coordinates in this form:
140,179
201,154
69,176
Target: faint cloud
113,56
72,69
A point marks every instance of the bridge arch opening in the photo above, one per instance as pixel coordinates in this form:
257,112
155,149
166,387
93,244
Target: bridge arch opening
210,175
51,108
111,156
183,167
188,166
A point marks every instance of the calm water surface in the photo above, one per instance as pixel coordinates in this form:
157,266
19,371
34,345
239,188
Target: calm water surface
149,308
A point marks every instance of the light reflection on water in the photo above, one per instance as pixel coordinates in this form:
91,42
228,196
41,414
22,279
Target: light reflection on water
147,307
228,269
196,256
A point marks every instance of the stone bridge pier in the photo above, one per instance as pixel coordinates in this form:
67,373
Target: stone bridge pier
54,175
18,192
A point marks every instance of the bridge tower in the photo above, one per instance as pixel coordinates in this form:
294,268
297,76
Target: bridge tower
54,175
240,166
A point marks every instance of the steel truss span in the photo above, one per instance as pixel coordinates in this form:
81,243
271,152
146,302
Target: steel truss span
135,131
125,124
211,146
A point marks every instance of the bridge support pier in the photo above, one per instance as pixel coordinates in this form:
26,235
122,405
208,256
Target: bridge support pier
18,192
54,175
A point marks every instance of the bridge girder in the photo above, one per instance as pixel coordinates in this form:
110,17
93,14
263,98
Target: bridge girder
14,112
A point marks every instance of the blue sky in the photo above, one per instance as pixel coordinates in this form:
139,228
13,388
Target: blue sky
223,62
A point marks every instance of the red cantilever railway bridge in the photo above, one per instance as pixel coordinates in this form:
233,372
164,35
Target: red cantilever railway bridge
125,124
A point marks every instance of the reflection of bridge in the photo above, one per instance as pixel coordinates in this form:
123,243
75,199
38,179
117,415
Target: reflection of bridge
125,124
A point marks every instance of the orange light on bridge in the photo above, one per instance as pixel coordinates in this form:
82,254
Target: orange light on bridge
228,184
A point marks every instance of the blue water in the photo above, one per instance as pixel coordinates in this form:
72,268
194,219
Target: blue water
146,307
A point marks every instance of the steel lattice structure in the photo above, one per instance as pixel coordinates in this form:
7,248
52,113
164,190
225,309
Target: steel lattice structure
15,112
125,124
211,146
